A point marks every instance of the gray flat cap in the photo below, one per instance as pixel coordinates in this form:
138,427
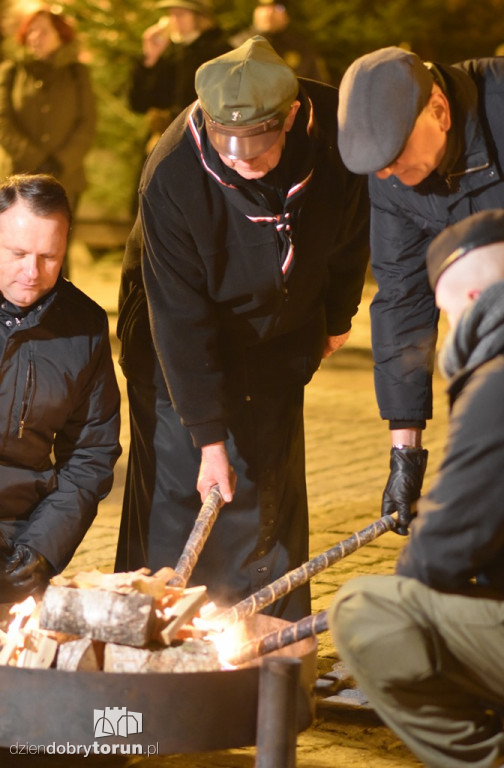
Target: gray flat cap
483,228
381,96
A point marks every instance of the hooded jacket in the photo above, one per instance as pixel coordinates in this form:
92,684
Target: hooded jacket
459,532
223,286
404,220
59,420
47,117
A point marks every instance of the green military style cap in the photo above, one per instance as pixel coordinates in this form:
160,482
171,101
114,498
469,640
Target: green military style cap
246,95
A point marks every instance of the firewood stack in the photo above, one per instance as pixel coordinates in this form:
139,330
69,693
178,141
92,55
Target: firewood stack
118,622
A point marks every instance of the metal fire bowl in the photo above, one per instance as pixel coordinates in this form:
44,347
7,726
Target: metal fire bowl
181,712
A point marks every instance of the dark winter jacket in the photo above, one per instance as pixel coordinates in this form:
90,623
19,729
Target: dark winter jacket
221,286
59,413
47,117
459,533
404,220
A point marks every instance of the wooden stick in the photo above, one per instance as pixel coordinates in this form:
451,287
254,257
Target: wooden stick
199,534
183,610
307,627
298,576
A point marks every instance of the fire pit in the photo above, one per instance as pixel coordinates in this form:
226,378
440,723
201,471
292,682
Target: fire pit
151,713
73,710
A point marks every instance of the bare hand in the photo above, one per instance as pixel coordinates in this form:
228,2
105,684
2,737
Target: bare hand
215,469
334,342
155,40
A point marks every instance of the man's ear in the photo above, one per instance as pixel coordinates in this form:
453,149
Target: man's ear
440,107
289,120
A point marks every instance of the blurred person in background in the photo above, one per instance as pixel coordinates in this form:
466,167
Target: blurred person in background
47,105
162,81
271,20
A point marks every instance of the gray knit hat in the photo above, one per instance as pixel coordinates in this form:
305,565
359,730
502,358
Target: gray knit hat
484,228
381,96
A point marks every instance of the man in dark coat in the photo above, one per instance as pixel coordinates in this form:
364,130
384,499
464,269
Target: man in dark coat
430,136
426,644
58,392
254,255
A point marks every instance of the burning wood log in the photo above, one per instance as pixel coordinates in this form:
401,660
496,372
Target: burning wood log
39,652
82,653
298,576
191,656
199,534
99,614
85,618
307,627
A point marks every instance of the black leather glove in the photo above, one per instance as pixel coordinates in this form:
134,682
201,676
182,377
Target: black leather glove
24,572
407,469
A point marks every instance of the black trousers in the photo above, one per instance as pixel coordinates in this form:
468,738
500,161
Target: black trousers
260,535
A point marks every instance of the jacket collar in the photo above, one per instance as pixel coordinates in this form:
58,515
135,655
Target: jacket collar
17,318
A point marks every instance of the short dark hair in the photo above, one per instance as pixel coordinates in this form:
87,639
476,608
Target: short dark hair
43,194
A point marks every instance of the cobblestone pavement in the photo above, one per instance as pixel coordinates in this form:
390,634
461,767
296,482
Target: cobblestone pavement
347,449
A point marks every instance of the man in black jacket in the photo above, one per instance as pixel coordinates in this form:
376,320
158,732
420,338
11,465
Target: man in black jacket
429,135
426,643
59,400
254,254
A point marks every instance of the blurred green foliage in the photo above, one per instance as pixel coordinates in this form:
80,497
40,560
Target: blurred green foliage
111,30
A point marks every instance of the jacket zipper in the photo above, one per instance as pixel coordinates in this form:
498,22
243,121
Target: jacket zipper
26,399
451,176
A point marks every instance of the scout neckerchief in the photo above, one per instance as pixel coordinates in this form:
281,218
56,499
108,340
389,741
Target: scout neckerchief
276,200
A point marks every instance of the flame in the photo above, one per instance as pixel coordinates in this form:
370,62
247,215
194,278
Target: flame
13,640
21,612
228,639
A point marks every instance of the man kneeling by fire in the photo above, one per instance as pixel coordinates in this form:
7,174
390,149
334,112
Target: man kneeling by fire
426,643
59,413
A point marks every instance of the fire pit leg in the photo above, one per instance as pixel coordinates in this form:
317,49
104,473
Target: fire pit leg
277,713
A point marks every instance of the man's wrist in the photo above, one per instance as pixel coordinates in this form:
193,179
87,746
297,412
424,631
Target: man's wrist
408,437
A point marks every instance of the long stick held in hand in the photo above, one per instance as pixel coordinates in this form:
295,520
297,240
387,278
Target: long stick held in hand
295,578
199,534
307,627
